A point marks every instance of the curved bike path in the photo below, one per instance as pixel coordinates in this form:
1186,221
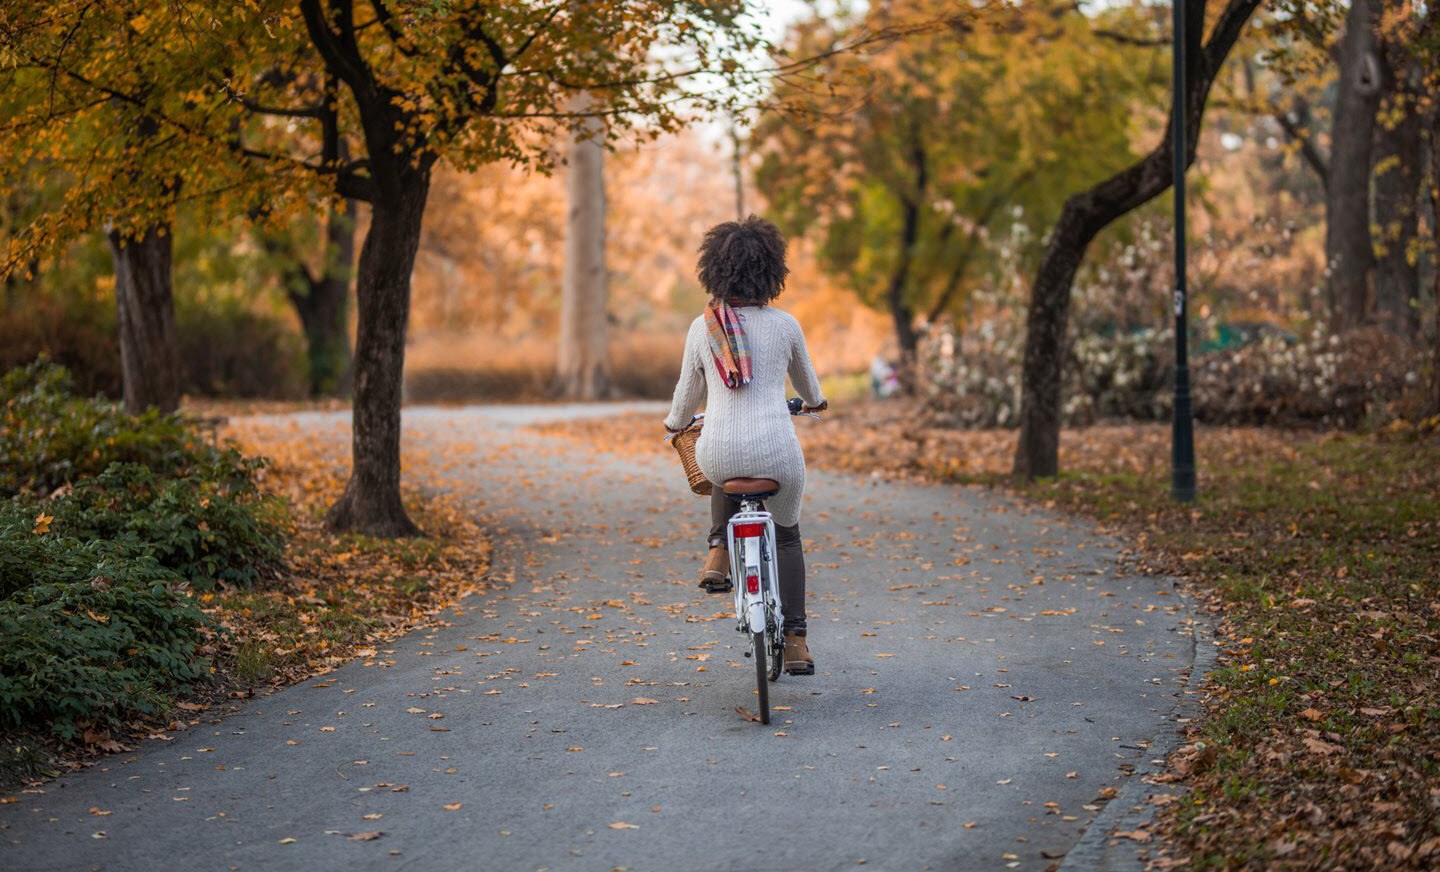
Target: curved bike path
987,676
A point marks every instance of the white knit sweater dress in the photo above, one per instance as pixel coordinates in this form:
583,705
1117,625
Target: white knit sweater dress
748,432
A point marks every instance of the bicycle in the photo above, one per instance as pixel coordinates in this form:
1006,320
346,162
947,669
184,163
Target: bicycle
750,538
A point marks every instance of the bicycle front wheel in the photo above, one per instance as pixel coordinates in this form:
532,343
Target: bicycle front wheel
762,678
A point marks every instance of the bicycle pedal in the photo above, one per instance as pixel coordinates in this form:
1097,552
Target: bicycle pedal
717,586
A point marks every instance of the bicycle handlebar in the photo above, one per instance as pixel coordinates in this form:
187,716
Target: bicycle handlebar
795,406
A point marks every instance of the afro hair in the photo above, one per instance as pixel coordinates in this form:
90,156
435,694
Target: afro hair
743,262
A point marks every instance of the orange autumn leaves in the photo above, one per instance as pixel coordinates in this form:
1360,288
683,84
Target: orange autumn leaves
339,593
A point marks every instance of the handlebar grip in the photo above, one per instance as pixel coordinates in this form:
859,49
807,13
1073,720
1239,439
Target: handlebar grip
795,405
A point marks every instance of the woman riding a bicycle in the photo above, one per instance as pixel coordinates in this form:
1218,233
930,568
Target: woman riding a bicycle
737,355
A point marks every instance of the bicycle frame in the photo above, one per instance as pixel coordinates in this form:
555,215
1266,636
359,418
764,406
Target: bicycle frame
750,537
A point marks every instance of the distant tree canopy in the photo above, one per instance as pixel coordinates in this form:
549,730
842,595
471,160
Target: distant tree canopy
908,159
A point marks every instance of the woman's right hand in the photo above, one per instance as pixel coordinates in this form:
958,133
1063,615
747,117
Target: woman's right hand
824,404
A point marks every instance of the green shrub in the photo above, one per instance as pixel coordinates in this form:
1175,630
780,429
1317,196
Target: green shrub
50,437
109,518
76,331
231,338
29,557
229,350
209,525
97,653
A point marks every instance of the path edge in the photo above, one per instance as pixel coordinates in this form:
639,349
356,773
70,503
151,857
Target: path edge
1098,850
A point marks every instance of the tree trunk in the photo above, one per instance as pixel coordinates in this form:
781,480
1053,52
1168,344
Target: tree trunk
371,503
1347,196
1434,137
323,305
145,302
1038,450
897,292
582,369
1397,199
902,314
737,169
1084,215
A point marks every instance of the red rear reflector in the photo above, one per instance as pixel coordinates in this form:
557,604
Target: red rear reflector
749,531
752,584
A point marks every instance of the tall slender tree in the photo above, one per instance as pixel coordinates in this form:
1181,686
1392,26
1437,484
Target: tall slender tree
1398,167
1347,192
582,358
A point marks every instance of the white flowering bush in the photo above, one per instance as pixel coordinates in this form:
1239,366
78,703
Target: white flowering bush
1366,376
971,378
1119,353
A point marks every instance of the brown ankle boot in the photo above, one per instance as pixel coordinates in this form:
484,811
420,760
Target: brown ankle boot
713,578
797,656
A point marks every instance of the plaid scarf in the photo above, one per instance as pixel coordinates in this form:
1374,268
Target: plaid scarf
728,346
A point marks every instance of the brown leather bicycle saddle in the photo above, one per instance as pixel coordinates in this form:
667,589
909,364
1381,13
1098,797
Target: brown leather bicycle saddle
750,485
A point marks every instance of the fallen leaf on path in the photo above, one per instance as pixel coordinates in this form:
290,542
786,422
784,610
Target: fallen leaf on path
747,714
1136,835
453,806
368,836
621,825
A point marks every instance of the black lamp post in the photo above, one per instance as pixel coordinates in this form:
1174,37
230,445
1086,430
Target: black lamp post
1182,442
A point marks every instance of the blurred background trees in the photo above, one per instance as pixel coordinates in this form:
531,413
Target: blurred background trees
906,160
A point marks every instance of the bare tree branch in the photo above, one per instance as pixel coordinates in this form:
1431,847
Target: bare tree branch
1128,39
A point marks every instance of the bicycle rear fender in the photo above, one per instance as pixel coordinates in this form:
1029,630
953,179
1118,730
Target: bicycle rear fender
748,559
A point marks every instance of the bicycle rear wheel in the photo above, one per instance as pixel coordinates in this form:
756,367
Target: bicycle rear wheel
762,678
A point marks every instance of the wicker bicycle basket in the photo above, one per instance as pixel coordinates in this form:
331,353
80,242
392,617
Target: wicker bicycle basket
684,443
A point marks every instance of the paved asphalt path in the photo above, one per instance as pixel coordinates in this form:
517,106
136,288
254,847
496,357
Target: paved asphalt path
986,676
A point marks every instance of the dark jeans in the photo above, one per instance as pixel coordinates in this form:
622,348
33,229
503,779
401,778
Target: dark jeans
791,556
